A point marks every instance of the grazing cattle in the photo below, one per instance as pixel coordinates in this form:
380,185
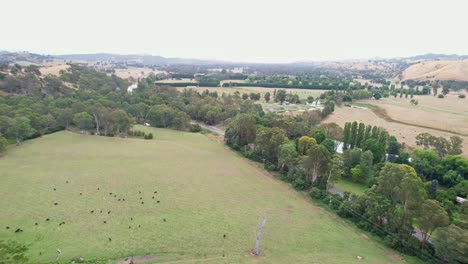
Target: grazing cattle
224,235
141,198
18,230
92,211
164,219
110,193
100,211
139,192
129,227
98,189
131,218
36,223
110,239
81,193
55,203
142,202
55,189
105,222
66,181
48,219
123,199
158,201
139,226
118,200
108,212
155,192
7,227
152,197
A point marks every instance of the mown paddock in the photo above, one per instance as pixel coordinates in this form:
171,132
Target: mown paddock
205,191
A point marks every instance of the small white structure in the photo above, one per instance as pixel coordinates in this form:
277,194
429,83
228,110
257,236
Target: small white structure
460,200
147,124
132,87
339,146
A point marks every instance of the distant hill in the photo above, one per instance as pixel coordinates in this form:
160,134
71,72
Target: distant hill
434,56
135,59
438,70
22,57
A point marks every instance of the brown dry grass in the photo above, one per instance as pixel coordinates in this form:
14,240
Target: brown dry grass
438,70
136,72
54,68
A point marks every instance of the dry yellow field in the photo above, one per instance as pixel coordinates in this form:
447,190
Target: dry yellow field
438,70
182,80
442,115
54,68
136,72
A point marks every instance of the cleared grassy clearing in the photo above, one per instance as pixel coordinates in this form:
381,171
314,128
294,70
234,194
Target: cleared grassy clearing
205,191
349,186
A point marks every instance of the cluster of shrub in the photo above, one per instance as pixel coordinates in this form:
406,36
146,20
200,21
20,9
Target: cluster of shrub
140,134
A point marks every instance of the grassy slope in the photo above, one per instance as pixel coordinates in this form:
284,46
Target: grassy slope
205,191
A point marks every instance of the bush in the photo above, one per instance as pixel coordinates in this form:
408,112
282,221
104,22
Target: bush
345,210
336,201
316,193
461,96
149,136
299,184
440,96
195,128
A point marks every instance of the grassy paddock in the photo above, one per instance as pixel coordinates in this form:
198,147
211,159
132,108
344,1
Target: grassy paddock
205,191
349,186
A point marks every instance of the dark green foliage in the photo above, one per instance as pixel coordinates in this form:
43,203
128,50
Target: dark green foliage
165,116
195,128
319,136
393,146
451,245
329,145
241,131
3,144
328,108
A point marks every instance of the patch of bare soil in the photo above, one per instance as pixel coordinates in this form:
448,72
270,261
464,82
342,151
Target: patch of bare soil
217,138
141,259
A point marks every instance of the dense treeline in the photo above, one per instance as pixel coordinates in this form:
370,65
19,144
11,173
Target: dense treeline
100,104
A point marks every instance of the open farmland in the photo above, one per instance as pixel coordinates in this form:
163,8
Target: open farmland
210,203
430,111
136,72
405,121
303,93
438,70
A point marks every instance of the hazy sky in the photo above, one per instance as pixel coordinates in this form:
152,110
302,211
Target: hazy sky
238,30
